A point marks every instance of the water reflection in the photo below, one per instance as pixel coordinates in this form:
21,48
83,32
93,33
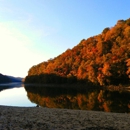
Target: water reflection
79,98
10,85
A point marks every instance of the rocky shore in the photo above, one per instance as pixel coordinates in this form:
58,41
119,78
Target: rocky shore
38,118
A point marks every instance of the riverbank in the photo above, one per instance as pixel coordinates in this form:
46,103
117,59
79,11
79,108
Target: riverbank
38,118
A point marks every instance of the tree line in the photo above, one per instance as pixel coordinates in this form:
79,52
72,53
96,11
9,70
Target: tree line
102,60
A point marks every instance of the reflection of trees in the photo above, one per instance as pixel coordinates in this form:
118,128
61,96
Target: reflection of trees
75,98
114,101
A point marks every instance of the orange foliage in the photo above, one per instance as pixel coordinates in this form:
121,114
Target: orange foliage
100,59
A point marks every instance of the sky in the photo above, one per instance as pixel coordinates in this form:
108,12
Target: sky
33,31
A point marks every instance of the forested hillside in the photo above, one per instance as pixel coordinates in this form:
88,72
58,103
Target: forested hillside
103,59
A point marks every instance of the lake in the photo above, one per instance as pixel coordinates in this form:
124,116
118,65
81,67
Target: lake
67,97
14,94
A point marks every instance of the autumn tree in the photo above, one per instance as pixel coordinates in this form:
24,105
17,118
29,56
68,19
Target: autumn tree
101,60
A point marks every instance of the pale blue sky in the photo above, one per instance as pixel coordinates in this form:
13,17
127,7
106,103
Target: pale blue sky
32,31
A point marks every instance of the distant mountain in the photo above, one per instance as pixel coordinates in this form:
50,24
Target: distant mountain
15,79
103,59
9,79
4,79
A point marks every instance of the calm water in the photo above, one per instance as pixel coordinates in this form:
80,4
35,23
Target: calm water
14,94
66,97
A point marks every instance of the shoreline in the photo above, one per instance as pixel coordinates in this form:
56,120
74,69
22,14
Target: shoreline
39,118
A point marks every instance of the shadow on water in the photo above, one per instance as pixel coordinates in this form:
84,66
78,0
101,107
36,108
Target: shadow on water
10,85
82,98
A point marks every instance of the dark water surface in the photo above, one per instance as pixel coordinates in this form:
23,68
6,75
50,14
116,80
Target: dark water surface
82,98
69,97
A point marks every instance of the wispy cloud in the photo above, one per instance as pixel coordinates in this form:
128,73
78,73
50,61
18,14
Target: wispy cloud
22,16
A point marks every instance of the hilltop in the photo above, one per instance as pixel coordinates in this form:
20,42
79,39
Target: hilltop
9,79
4,79
103,59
